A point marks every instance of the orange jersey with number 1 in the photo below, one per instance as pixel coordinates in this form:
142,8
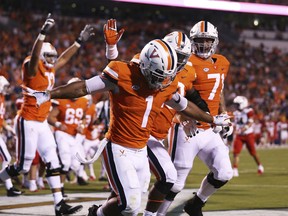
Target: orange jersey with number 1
163,121
210,81
134,106
43,80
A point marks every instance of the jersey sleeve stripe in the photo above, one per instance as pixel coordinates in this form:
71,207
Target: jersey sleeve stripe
111,73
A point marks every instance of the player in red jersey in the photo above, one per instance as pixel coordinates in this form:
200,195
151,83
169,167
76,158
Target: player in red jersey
244,133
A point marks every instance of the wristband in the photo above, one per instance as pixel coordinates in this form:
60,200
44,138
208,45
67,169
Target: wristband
41,37
77,43
57,124
111,51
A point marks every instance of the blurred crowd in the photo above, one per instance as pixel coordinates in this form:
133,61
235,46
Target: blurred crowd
256,73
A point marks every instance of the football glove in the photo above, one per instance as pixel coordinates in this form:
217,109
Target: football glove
111,35
49,23
40,96
86,33
190,127
222,119
227,131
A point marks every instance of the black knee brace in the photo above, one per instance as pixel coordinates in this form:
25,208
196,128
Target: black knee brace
171,196
12,171
52,172
216,183
163,187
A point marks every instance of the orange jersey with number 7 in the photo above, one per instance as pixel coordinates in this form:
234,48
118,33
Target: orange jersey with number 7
163,121
43,80
210,81
134,106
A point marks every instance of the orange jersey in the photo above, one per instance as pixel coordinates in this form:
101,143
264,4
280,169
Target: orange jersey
210,81
133,105
90,118
162,123
71,113
43,80
2,109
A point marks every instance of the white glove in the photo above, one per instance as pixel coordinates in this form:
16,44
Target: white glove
40,96
217,129
190,127
227,131
222,119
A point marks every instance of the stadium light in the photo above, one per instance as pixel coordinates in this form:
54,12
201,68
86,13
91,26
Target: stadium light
243,7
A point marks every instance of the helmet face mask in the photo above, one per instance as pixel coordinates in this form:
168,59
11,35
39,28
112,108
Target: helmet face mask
48,55
158,61
204,39
182,45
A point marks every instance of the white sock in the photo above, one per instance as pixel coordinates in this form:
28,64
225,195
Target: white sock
32,185
54,181
8,183
57,197
163,209
205,190
148,213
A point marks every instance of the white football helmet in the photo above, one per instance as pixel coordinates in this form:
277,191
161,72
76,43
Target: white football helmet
158,62
204,30
241,101
182,45
48,54
4,84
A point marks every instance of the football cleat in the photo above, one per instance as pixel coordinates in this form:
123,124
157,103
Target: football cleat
62,208
193,206
235,172
81,181
260,169
12,192
92,211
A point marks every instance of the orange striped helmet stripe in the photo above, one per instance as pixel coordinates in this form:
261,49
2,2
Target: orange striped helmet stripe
202,27
169,56
180,39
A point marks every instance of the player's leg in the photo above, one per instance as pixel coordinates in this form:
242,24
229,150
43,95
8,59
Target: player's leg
237,148
165,172
250,144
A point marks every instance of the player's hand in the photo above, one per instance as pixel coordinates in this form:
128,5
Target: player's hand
190,127
222,119
40,96
217,129
49,23
111,35
86,33
227,131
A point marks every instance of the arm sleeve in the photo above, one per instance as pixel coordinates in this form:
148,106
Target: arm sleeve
98,84
177,102
194,96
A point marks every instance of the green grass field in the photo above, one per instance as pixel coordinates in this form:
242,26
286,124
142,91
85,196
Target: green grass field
248,191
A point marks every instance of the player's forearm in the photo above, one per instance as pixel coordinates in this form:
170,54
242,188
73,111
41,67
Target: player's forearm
72,90
196,113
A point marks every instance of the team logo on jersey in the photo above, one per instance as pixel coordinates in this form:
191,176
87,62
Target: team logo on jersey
135,87
205,69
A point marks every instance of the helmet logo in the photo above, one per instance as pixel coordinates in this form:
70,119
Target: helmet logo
154,54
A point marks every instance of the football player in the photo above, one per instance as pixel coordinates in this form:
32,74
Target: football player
137,92
67,117
244,133
4,153
32,129
211,70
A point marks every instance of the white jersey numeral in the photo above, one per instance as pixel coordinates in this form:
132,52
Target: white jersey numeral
149,100
216,84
